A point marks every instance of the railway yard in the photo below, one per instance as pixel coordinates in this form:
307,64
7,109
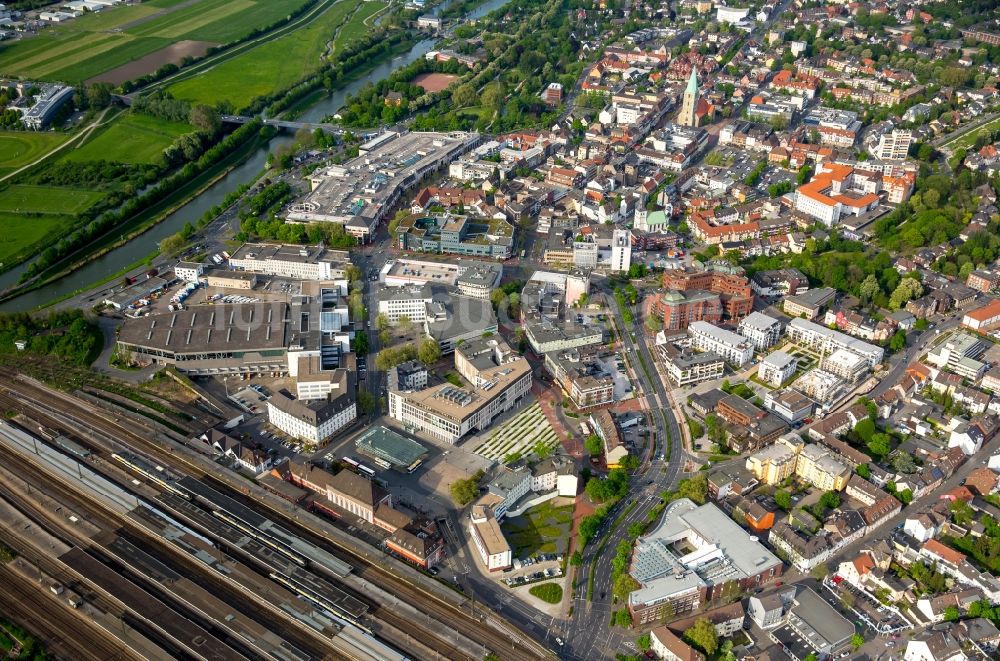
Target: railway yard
135,546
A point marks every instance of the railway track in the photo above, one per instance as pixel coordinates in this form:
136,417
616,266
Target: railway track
395,621
34,401
65,634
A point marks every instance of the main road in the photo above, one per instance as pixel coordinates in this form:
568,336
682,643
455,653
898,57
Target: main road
587,633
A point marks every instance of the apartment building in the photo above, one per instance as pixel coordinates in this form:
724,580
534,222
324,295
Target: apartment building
734,348
685,367
761,330
776,463
893,145
776,368
817,466
581,376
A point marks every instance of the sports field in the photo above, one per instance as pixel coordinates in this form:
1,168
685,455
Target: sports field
276,64
130,139
18,148
18,233
46,199
100,41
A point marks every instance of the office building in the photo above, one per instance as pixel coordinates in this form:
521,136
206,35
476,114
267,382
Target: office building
315,420
294,262
695,554
581,376
493,549
454,234
809,304
789,405
449,412
734,348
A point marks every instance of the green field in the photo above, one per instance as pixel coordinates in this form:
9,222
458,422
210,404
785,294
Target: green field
18,233
100,41
46,199
550,593
130,139
19,148
968,139
275,64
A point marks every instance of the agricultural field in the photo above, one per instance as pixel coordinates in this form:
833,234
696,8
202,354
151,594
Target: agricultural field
23,198
276,64
83,48
519,435
131,139
18,148
18,233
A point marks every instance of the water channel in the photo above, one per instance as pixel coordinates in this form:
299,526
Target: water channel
144,244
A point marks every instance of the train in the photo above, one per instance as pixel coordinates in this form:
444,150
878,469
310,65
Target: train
307,592
262,537
155,474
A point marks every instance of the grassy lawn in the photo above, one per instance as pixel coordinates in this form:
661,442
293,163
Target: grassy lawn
542,529
46,199
100,41
18,148
967,140
18,233
550,593
268,67
131,139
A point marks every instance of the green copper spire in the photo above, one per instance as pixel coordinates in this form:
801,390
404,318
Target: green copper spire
692,87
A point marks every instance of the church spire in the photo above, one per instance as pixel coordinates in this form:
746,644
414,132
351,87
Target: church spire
692,87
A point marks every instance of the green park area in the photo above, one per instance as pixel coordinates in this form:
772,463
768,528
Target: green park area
968,139
19,148
550,593
18,233
134,139
276,64
46,200
85,47
542,529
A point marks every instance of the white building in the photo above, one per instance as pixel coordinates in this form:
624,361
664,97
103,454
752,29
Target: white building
296,262
762,331
893,146
493,549
733,347
189,271
621,250
846,364
776,368
313,421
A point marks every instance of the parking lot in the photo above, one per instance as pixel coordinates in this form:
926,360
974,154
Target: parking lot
868,613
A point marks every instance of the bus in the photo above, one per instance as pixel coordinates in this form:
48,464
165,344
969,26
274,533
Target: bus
350,462
365,470
412,467
381,463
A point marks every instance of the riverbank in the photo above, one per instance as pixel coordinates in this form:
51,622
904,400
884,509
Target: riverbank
142,223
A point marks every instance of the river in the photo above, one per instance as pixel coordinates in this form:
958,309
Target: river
144,244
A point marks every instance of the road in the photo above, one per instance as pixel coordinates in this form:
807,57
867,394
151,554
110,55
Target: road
587,634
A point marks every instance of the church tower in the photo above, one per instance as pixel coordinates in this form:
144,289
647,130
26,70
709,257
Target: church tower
690,102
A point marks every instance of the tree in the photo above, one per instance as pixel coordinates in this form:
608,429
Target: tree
205,119
352,272
830,500
593,445
621,618
870,288
820,571
382,321
541,450
492,97
404,323
644,643
865,429
172,244
464,95
703,636
576,559
654,323
879,445
429,351
898,340
465,491
361,343
864,471
366,401
857,640
951,614
783,499
907,290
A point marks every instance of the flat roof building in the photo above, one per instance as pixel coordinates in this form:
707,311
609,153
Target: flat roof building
297,262
694,555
